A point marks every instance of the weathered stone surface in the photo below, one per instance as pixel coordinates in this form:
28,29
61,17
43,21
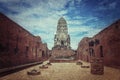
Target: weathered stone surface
106,45
43,67
62,53
62,38
34,72
62,47
17,45
83,49
97,66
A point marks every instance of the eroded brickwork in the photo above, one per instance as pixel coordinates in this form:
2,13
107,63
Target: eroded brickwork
83,49
17,45
106,44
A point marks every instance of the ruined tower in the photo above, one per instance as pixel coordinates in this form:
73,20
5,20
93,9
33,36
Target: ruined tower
62,38
62,49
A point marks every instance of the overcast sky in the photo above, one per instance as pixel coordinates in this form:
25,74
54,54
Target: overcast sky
40,17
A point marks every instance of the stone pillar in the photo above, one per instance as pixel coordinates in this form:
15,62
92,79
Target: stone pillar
97,66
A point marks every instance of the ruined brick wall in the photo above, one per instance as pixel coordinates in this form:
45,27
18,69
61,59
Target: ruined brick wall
62,53
109,42
17,45
83,50
45,51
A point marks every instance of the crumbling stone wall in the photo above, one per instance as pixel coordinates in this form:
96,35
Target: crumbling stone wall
109,42
17,45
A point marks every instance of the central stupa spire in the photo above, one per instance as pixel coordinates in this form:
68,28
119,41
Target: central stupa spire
62,38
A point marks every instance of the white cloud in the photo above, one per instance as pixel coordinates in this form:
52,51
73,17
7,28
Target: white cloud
57,4
49,24
43,16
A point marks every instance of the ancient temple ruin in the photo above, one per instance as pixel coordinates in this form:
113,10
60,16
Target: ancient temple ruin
62,47
62,38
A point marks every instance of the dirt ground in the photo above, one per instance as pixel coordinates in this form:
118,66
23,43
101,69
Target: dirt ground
64,71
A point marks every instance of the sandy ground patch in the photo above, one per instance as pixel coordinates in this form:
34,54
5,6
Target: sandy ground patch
64,71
